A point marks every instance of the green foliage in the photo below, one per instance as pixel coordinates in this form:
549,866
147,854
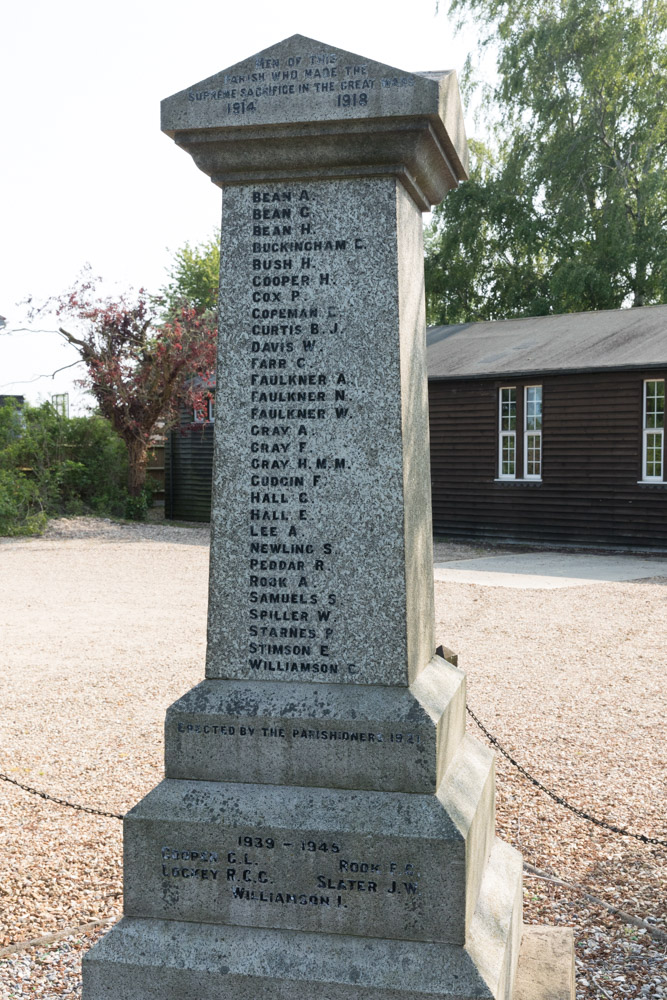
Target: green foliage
51,465
572,213
21,511
136,507
96,473
194,276
484,251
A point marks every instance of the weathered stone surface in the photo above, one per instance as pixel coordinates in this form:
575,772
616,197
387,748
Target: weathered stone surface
311,479
344,862
332,735
301,80
278,102
205,962
467,795
546,964
495,931
157,959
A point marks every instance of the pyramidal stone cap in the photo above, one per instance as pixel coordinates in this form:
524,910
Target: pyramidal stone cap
302,108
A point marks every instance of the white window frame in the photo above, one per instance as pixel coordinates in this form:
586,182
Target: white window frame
658,431
527,433
504,435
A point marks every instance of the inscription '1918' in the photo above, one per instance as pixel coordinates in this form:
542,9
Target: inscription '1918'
307,77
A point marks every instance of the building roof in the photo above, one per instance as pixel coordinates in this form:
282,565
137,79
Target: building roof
615,338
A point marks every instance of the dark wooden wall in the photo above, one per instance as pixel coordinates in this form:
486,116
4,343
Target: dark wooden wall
188,471
591,451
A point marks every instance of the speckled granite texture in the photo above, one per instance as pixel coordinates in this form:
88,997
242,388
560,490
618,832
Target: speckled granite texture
325,828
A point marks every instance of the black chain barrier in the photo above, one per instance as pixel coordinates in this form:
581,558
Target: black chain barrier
60,802
559,798
492,739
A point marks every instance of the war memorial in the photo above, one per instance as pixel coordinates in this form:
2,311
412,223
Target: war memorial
325,829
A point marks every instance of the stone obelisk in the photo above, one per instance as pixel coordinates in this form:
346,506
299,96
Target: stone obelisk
325,828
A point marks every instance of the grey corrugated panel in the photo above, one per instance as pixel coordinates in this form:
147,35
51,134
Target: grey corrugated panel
571,342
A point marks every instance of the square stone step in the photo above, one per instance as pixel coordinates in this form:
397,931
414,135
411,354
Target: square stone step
327,735
174,960
339,861
546,964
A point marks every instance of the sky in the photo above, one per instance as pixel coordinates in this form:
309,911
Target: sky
86,176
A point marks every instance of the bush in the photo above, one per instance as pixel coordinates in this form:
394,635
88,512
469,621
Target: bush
136,508
53,465
94,472
21,512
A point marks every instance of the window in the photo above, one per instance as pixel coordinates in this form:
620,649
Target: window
532,432
653,457
520,455
507,425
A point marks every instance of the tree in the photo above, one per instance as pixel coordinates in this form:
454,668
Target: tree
572,213
194,276
141,362
485,256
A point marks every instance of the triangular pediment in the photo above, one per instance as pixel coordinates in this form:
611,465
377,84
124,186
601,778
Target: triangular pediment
301,80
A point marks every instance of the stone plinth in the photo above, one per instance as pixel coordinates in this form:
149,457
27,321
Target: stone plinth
325,827
396,739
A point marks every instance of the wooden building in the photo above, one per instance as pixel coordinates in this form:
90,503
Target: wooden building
546,430
188,467
551,429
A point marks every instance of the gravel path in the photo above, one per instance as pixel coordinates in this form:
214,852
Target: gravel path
103,625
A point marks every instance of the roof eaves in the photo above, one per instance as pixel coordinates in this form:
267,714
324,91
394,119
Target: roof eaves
532,372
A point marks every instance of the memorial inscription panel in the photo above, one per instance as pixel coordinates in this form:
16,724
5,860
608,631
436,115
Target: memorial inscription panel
266,749
337,736
261,858
303,81
309,464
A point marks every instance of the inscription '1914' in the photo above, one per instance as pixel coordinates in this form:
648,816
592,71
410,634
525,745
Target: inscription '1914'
307,77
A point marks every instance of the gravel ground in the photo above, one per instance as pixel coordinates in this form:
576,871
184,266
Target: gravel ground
103,625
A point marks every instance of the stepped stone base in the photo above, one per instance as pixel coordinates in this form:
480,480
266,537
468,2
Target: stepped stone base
410,865
546,964
331,735
209,963
148,959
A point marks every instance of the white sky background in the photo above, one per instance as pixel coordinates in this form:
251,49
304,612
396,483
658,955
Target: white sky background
85,173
